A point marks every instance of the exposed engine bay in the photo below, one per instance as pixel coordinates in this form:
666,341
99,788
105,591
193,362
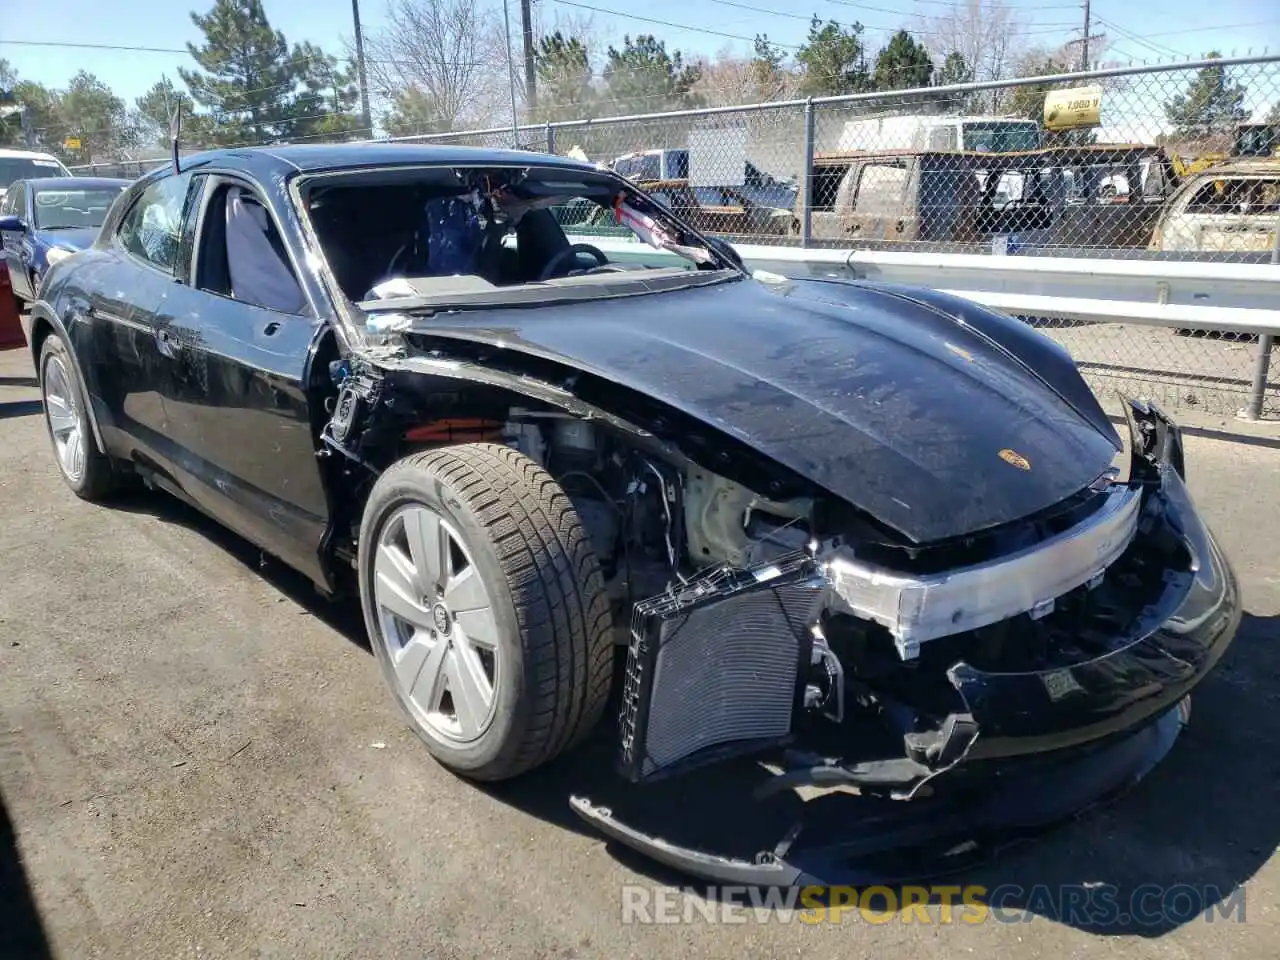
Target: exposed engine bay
752,623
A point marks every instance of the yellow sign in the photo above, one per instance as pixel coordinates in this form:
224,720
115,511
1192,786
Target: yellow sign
1077,107
71,143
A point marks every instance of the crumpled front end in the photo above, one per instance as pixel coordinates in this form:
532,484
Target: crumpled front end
949,709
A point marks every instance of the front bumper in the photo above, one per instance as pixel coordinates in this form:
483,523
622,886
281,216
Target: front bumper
1040,746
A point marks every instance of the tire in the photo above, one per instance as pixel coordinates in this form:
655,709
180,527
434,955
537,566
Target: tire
549,654
93,476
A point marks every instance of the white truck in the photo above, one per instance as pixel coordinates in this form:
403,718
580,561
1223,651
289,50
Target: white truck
979,134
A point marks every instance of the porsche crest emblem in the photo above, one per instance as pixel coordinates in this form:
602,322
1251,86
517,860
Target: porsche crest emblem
1015,459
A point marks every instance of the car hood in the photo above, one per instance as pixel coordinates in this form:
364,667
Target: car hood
900,409
77,239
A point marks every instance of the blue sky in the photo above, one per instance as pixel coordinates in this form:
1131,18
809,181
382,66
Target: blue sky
1181,27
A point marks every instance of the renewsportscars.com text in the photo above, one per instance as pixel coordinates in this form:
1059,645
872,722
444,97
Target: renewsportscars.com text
1082,905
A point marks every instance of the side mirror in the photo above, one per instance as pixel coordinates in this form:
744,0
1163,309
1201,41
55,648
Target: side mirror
727,250
12,223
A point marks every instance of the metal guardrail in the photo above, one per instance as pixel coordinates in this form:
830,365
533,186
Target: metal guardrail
1172,295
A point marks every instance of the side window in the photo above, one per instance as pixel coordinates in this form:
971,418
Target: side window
16,200
242,256
1228,197
942,138
152,229
881,189
648,167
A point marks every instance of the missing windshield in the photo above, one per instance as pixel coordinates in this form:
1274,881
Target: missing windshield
470,235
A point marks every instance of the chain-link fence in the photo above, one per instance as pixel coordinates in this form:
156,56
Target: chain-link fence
1175,161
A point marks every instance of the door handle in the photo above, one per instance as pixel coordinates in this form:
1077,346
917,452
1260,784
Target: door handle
168,344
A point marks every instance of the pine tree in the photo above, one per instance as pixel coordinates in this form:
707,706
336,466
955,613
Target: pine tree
564,78
833,60
1212,104
642,77
94,115
255,87
153,112
902,64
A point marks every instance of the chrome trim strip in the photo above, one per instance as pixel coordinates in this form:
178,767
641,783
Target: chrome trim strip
919,609
123,321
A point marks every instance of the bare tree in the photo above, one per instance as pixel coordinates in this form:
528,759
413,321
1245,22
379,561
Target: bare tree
438,64
729,80
986,33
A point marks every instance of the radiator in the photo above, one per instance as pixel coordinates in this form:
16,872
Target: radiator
714,668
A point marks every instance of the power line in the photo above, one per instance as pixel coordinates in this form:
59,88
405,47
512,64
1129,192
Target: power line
952,4
668,23
301,58
1041,28
1156,48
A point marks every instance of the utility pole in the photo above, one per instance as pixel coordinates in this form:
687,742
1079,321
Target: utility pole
511,77
365,120
1084,44
530,74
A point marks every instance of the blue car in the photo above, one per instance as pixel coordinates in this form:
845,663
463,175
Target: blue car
48,219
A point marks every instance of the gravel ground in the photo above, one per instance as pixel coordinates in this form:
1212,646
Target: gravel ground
197,758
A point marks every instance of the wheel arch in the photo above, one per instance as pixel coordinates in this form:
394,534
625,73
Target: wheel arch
649,422
45,322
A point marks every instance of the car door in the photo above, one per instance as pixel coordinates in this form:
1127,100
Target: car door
879,203
243,330
143,260
17,243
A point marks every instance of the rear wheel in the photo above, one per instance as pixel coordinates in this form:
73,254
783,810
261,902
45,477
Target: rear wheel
486,608
84,468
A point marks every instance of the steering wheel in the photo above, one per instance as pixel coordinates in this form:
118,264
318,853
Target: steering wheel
571,251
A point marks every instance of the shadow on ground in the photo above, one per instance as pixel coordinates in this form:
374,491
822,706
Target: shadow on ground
20,408
1177,847
1181,842
21,932
19,382
341,614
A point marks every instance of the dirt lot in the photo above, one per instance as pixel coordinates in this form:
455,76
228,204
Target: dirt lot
197,758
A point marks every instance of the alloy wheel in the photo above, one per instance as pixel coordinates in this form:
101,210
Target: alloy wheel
63,413
437,624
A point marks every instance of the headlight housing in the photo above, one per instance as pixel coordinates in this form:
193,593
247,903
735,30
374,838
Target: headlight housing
58,254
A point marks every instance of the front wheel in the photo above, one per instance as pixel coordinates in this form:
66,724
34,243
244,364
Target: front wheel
485,607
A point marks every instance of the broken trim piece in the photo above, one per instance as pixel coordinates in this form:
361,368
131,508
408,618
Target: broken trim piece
919,609
922,839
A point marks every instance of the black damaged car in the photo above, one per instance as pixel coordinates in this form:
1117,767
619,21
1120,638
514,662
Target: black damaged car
873,539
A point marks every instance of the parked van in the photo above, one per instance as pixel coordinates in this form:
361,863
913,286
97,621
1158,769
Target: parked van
973,134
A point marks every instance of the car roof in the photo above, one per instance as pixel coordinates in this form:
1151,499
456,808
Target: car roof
323,157
25,155
1269,166
74,183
